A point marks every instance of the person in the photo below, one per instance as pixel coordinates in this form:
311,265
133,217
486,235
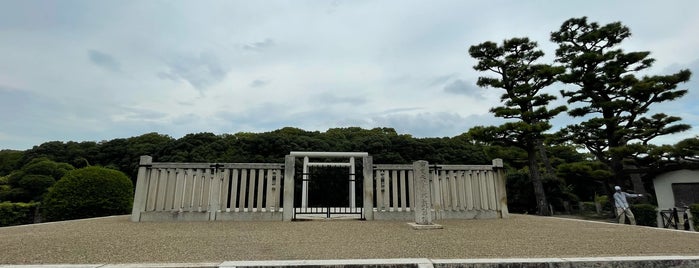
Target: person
622,206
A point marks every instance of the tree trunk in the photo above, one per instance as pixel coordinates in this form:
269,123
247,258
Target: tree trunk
545,159
541,203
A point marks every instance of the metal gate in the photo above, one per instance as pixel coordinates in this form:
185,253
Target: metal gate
329,211
671,219
333,192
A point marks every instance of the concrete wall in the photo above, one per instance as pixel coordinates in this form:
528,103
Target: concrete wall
663,185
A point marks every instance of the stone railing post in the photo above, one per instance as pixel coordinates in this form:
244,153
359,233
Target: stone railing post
288,205
423,203
368,172
501,187
215,193
139,200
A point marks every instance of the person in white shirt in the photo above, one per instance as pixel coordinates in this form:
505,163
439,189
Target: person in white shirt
622,206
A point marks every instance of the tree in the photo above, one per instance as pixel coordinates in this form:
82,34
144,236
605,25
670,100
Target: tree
522,79
89,192
609,95
31,181
9,161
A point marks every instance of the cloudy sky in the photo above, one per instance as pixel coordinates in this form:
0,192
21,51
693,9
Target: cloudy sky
99,70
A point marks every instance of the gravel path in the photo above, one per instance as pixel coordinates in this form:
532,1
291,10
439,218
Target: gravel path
117,240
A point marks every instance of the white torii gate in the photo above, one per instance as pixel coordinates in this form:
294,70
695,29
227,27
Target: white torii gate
306,176
289,179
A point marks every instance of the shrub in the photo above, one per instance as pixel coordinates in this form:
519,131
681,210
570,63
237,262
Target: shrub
603,200
89,192
17,213
43,166
36,185
588,207
694,209
13,194
646,214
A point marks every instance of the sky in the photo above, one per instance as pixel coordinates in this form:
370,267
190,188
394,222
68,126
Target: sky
100,70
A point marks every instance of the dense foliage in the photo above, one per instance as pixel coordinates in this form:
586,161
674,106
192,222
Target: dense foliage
384,144
522,79
646,214
17,213
89,192
604,86
9,161
32,180
694,210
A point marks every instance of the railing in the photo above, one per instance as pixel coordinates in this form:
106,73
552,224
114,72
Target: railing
465,187
203,191
457,191
255,191
393,187
670,219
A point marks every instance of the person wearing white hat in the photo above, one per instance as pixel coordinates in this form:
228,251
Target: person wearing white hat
622,206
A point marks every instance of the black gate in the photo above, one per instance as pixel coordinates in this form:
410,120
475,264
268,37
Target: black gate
671,218
328,193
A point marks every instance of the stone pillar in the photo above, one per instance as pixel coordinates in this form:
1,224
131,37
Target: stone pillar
690,218
304,183
215,194
501,187
368,188
288,205
423,204
139,200
352,200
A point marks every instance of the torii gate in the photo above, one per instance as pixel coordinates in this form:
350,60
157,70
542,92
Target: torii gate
289,178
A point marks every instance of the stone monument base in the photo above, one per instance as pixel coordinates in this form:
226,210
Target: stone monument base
416,226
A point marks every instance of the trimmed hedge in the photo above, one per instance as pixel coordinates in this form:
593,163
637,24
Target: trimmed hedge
17,213
646,214
89,192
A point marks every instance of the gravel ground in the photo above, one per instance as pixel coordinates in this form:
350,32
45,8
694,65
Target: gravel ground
117,240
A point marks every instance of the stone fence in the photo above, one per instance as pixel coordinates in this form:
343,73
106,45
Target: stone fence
257,191
456,191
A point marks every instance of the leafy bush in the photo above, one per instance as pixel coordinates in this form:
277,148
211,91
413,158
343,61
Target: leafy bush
43,166
14,177
646,214
520,193
36,185
11,194
17,213
588,207
606,206
89,192
694,209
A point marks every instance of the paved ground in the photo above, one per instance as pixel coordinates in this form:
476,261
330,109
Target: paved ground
117,240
